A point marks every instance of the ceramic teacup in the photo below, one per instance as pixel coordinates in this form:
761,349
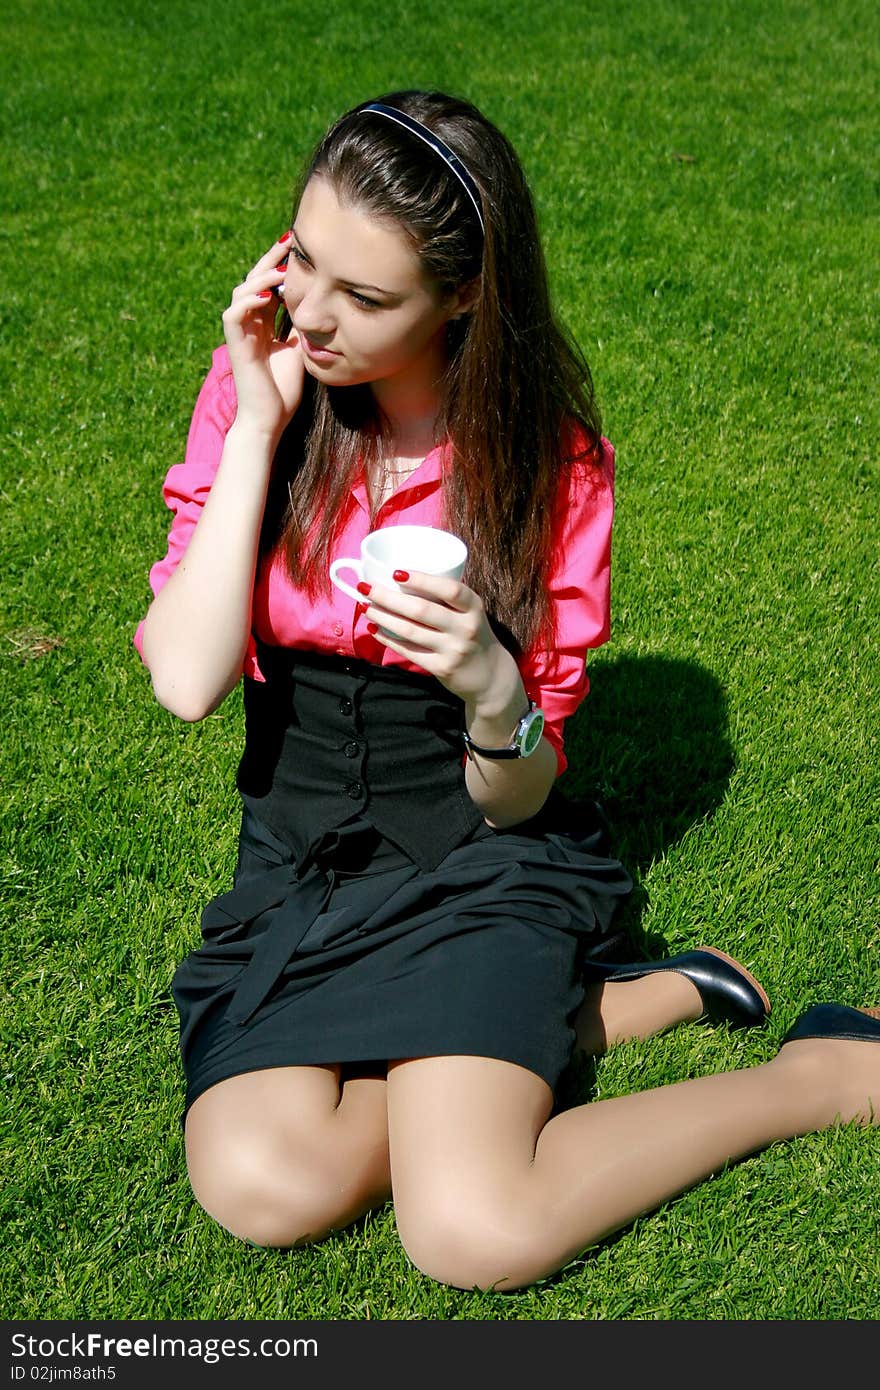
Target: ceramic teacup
409,548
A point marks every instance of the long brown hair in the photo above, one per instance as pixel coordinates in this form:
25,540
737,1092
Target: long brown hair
516,389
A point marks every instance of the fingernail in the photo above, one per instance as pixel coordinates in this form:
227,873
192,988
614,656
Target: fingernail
372,627
401,576
282,265
265,294
285,237
363,587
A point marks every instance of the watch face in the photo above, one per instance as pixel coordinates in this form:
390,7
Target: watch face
532,732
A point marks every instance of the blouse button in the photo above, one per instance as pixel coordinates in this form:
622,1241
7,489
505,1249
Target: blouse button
338,629
355,790
351,750
345,706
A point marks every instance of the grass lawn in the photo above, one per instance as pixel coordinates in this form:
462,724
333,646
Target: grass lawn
706,175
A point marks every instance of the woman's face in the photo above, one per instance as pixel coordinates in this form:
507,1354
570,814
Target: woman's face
358,296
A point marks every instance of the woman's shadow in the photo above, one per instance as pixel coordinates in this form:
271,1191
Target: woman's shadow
651,745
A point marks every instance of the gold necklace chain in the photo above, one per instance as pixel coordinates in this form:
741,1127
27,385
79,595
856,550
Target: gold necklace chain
385,477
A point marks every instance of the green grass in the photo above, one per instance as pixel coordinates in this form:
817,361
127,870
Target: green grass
706,176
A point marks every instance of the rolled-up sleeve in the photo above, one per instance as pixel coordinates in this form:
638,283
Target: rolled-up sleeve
580,596
188,484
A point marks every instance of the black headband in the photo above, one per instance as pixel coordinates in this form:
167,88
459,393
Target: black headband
439,147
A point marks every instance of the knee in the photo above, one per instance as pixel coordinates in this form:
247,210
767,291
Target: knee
265,1201
485,1246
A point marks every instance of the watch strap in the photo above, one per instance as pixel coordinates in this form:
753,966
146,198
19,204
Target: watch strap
511,750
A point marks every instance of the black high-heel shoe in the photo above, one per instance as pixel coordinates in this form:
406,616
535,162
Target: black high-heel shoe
729,993
835,1021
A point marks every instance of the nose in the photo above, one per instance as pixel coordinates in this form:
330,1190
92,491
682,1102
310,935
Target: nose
312,315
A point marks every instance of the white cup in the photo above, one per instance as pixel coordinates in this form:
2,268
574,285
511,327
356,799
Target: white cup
424,548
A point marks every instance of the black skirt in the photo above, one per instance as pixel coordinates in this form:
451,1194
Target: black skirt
352,953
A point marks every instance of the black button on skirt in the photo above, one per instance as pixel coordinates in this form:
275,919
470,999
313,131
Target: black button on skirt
356,954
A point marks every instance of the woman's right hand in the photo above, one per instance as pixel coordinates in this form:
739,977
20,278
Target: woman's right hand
268,372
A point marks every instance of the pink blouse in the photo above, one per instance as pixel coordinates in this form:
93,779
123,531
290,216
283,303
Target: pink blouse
283,615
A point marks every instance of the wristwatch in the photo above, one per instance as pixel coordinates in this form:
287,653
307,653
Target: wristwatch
526,737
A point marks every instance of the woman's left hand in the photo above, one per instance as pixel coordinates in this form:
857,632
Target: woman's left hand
441,625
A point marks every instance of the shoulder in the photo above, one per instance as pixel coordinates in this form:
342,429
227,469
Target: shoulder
586,478
215,409
221,367
220,382
213,414
586,459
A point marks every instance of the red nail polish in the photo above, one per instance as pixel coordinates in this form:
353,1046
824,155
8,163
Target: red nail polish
401,576
372,627
285,237
363,587
265,294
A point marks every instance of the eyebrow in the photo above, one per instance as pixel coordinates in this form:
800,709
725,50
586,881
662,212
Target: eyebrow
351,284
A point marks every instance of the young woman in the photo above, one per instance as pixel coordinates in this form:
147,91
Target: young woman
384,1002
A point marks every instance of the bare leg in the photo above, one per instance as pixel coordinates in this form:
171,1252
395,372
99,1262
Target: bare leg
488,1193
616,1012
284,1155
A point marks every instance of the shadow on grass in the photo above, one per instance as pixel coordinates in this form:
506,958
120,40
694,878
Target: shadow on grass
651,745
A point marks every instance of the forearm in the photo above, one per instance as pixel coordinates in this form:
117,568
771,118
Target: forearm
197,628
507,790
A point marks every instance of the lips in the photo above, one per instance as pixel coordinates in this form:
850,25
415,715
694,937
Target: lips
315,351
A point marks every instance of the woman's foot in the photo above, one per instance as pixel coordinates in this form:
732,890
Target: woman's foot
833,1053
727,992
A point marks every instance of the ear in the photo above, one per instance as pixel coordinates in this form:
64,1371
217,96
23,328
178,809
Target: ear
465,297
